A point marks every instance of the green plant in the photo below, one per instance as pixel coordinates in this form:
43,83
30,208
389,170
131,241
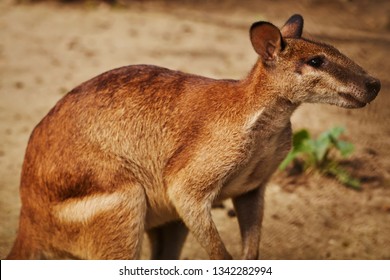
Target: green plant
321,154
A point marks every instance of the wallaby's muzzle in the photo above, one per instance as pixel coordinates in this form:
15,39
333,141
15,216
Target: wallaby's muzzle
363,95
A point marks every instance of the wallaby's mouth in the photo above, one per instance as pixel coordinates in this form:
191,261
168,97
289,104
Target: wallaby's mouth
358,97
352,102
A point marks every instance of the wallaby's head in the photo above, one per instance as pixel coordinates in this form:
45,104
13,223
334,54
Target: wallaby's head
302,70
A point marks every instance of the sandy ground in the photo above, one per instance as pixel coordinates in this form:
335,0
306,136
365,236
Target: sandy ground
46,50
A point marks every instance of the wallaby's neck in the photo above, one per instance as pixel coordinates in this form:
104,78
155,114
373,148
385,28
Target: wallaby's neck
261,93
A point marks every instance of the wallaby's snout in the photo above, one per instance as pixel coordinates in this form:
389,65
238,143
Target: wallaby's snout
359,93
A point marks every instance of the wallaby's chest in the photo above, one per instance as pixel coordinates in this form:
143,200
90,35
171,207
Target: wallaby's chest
269,149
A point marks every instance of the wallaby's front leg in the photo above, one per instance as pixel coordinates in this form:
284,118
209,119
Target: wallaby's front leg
194,207
249,209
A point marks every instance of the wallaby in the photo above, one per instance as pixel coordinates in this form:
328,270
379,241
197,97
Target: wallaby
146,149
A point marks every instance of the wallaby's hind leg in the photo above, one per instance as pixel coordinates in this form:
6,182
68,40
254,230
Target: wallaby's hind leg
249,209
166,241
104,226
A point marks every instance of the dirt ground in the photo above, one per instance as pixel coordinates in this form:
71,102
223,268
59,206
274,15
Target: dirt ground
47,49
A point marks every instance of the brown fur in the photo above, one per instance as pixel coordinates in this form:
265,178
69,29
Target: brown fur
144,148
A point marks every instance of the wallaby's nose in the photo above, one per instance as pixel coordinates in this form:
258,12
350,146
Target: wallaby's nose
373,86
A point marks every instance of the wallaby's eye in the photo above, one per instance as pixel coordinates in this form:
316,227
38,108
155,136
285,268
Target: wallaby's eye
316,62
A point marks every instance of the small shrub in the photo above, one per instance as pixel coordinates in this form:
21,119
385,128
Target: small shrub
321,154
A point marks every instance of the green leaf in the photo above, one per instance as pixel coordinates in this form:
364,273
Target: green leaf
344,177
298,147
299,137
345,148
322,146
335,132
288,159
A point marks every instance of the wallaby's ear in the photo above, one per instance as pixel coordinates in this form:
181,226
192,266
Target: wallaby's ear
293,27
266,40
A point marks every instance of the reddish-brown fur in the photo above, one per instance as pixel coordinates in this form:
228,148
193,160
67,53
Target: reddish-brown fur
143,148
